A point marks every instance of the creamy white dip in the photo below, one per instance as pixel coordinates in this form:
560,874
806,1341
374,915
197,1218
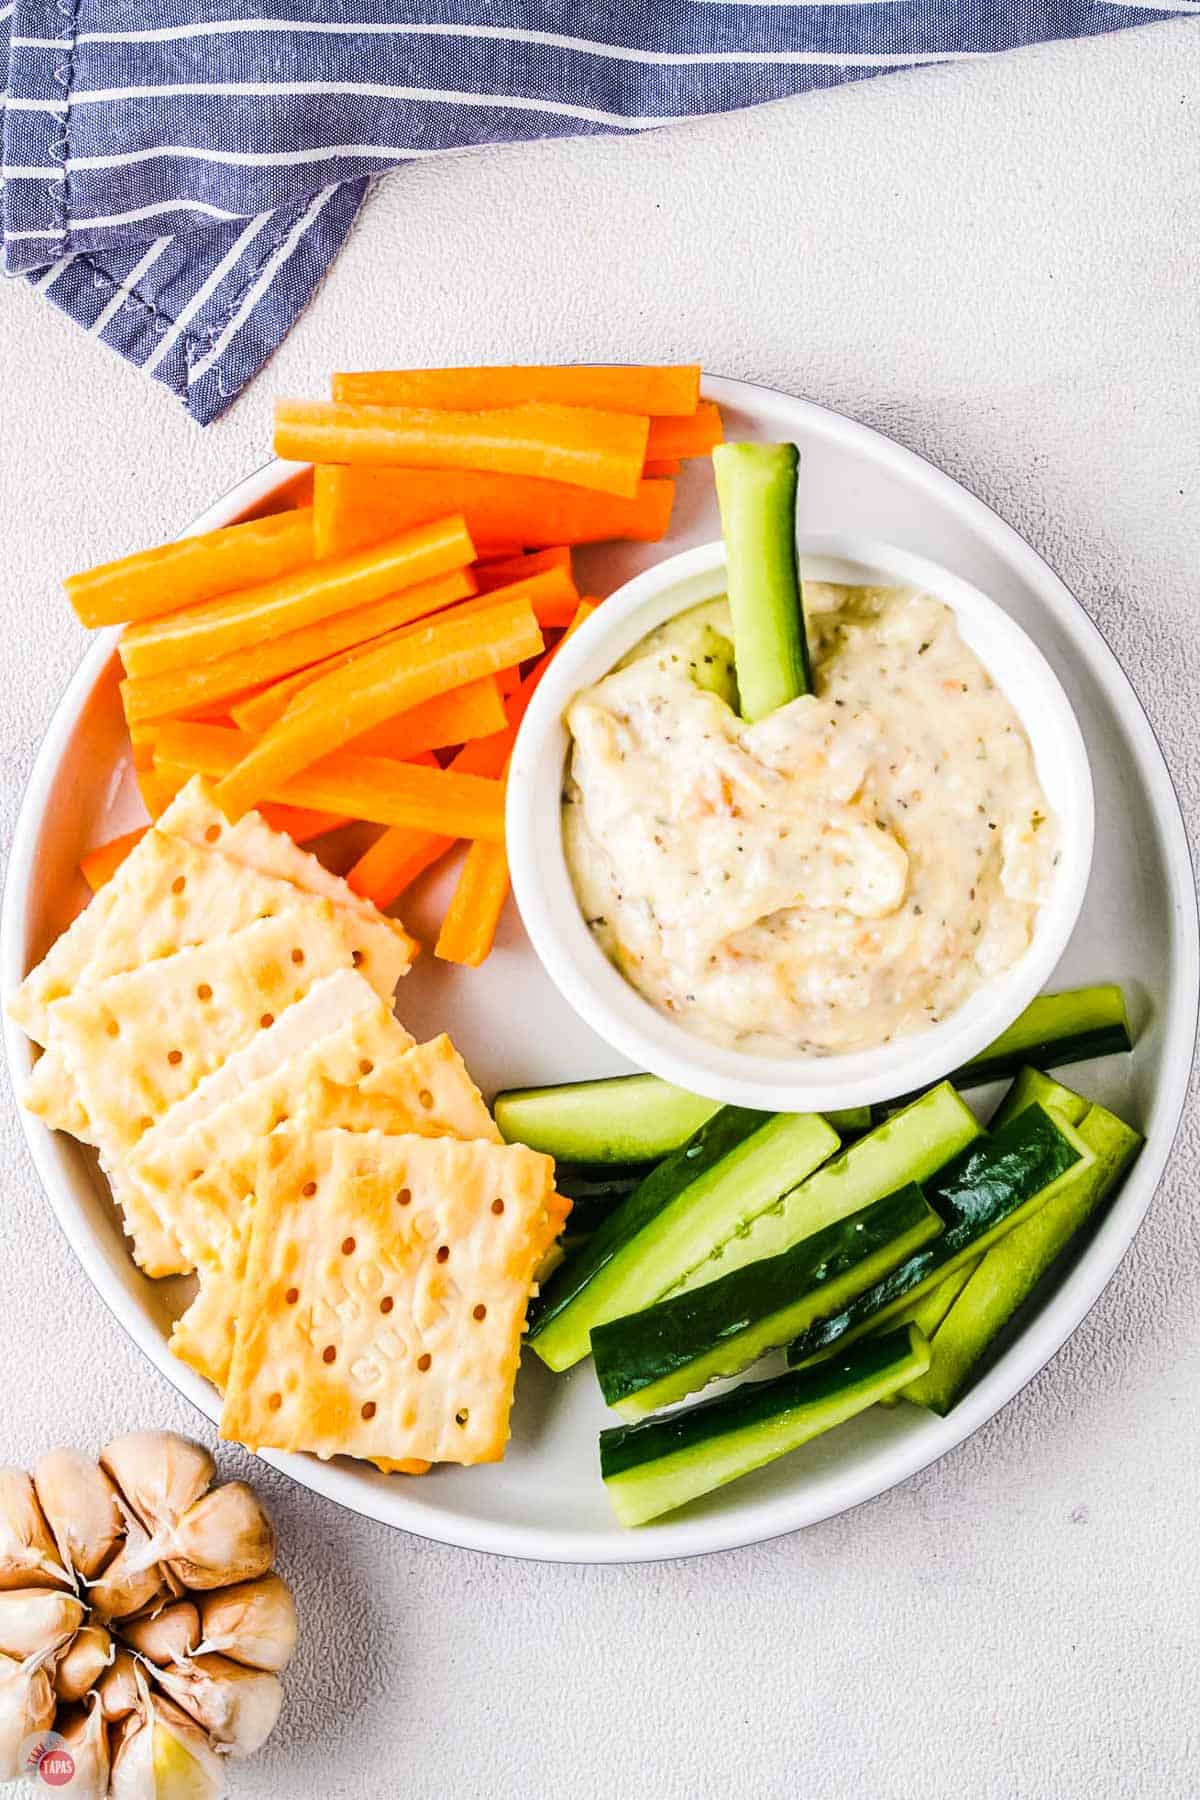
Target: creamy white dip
845,872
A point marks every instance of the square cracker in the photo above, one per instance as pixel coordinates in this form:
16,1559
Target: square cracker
202,1180
193,819
390,1278
137,1043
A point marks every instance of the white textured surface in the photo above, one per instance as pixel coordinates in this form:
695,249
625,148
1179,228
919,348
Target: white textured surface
998,266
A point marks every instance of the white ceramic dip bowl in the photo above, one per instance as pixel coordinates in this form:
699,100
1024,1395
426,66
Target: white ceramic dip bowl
797,1082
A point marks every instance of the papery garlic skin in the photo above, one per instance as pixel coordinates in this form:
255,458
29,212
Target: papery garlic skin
160,1474
82,1509
84,1734
26,1708
132,1581
37,1621
28,1556
237,1706
254,1622
83,1662
169,1636
117,1688
163,1755
223,1538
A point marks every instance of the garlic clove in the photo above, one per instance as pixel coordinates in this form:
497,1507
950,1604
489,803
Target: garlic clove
26,1708
85,1737
28,1557
254,1622
237,1706
37,1621
81,1508
132,1581
164,1755
169,1636
117,1688
159,1473
223,1538
83,1662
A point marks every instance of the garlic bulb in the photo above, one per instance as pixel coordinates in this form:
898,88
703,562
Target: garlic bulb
163,1755
254,1622
168,1636
37,1621
26,1708
224,1537
237,1706
82,1509
86,1739
117,1688
28,1557
132,1581
83,1662
160,1474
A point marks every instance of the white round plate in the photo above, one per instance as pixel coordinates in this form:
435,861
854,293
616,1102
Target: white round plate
1139,927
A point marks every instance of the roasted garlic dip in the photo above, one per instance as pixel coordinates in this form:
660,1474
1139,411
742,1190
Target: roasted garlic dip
844,872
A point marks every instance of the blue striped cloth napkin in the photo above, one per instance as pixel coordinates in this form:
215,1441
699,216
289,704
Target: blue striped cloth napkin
179,174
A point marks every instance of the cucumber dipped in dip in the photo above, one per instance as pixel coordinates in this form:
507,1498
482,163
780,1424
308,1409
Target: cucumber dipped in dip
842,872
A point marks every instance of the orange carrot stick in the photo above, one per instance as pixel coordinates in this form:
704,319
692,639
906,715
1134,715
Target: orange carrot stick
599,450
192,569
469,927
394,861
552,595
664,465
302,823
373,788
461,716
686,437
319,592
102,863
159,786
498,572
353,507
373,688
624,388
187,690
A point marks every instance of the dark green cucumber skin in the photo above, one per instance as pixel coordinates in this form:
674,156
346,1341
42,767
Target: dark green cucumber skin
990,1180
595,1196
625,1447
636,1351
663,1185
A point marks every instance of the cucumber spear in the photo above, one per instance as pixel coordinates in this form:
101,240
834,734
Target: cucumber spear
756,491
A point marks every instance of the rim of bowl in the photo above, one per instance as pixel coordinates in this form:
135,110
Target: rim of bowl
615,1009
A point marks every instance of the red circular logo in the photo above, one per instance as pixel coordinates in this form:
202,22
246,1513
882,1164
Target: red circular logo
56,1766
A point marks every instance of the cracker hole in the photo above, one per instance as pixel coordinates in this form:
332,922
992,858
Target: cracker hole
297,956
443,1254
267,1020
212,834
174,1057
348,1246
178,885
113,1029
479,1312
426,1098
357,958
404,1197
365,1066
275,1401
195,1174
368,1411
309,1189
461,1416
386,1304
145,1122
497,1207
329,1354
292,1295
204,992
424,1362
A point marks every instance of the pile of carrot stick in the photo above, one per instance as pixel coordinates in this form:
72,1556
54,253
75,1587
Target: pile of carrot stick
369,653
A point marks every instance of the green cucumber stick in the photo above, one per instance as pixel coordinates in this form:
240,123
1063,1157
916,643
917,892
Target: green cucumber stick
756,490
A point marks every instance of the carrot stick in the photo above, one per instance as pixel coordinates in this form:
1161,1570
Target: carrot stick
373,788
616,388
664,465
353,507
469,927
500,571
373,688
159,786
192,569
102,863
686,437
200,633
302,823
600,450
177,691
552,595
465,714
394,861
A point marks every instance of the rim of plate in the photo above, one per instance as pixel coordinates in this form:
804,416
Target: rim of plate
1042,1338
